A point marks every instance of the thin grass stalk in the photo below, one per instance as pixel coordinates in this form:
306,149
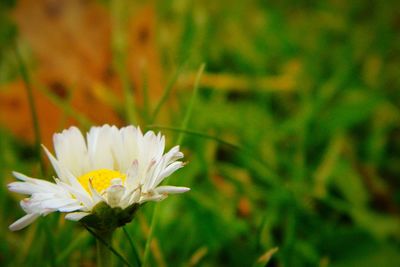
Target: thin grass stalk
245,152
50,239
180,138
32,106
146,102
66,107
118,15
81,238
150,235
196,133
38,139
189,111
166,93
133,247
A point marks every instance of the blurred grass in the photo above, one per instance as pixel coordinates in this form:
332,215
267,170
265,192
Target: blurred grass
309,89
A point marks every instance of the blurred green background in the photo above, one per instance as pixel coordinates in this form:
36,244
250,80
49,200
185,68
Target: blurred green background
294,136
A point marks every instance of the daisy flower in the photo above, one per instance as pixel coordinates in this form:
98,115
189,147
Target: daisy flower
100,180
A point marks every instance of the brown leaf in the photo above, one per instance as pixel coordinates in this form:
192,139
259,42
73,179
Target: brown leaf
70,43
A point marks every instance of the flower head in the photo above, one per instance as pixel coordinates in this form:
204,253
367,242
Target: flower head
113,171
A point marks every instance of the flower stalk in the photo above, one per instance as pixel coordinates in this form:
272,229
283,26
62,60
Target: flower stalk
104,258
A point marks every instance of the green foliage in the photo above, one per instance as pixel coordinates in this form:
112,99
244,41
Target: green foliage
313,170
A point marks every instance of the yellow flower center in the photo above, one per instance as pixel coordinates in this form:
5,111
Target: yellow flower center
101,179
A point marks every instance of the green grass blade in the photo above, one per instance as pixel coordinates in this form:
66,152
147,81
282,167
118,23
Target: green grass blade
196,133
66,107
38,140
28,87
77,241
146,103
180,138
191,103
259,163
118,18
166,92
150,236
133,247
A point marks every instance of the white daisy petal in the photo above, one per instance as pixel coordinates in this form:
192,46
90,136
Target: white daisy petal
99,141
57,203
156,198
130,197
132,179
95,195
76,216
57,168
78,194
23,222
115,194
171,189
129,137
34,181
70,208
118,150
24,188
168,171
173,154
71,151
64,174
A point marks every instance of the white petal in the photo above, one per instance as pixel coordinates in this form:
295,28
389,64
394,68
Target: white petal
67,177
20,176
24,188
23,222
129,137
57,203
71,151
95,195
156,198
132,179
99,141
149,178
172,168
167,172
76,216
61,172
118,150
172,155
171,189
55,164
31,206
81,196
114,195
130,197
45,185
150,147
70,208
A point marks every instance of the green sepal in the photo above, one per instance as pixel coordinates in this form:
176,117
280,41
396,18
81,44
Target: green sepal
105,218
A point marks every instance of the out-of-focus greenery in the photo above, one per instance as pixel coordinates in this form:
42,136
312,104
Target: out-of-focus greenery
309,91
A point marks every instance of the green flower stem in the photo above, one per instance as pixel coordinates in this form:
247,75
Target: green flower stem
103,252
104,239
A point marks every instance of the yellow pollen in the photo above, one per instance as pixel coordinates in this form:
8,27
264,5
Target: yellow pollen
101,179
